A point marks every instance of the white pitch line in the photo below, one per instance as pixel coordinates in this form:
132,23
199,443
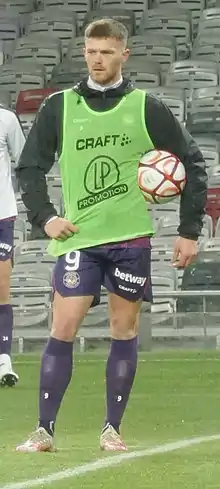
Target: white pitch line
141,360
105,463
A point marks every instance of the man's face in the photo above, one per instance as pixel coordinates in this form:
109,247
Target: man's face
105,58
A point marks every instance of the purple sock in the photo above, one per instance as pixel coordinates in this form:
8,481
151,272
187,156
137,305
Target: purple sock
6,325
120,373
55,375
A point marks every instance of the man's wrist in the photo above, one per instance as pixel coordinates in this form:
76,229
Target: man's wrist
50,220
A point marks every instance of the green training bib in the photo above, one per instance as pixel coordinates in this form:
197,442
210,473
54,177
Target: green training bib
98,165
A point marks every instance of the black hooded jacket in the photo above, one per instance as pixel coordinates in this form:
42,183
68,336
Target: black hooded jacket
166,133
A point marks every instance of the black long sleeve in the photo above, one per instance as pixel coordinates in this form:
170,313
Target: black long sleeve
45,138
37,159
168,134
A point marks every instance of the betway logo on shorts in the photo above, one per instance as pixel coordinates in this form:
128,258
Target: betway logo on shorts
128,277
102,141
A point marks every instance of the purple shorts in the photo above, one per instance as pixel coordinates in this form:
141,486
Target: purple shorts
6,239
125,271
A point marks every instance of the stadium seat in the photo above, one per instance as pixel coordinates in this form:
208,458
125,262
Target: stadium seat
207,141
161,258
209,14
54,186
213,205
22,211
127,17
33,39
212,3
173,98
67,74
75,49
62,30
28,269
212,160
201,275
217,229
159,244
162,305
39,52
167,231
53,14
195,7
175,22
158,48
5,98
212,244
136,6
164,269
80,7
30,309
31,247
20,231
204,112
29,101
35,259
9,32
34,252
15,77
192,74
17,7
207,231
207,49
171,209
209,26
142,72
18,12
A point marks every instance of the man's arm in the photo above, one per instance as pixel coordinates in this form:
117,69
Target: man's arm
37,159
168,134
15,136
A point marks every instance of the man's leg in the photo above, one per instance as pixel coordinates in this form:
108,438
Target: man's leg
128,279
74,291
7,376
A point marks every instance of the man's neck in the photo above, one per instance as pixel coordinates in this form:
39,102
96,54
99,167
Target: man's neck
101,88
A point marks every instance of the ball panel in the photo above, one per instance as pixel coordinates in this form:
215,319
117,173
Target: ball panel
167,189
149,180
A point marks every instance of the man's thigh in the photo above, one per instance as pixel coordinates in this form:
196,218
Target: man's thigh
129,273
78,274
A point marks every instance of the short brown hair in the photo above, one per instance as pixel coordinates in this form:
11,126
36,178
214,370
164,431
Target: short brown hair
107,27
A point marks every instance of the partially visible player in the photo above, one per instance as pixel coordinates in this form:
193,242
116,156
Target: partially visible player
11,144
100,128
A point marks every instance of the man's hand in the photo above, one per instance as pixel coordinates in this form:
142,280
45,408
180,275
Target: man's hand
185,252
60,228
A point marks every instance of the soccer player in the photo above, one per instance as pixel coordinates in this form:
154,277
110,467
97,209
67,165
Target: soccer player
11,143
100,128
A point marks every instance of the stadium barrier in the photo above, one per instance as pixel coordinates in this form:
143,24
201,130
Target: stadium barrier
166,324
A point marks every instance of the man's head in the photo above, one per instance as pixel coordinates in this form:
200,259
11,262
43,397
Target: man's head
106,50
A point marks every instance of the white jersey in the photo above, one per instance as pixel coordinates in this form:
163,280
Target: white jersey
11,144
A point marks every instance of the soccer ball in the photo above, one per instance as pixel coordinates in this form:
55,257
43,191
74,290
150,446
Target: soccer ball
161,176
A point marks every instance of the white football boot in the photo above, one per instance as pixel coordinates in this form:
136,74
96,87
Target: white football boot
7,376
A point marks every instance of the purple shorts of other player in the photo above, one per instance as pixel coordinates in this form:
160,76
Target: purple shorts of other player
123,268
6,239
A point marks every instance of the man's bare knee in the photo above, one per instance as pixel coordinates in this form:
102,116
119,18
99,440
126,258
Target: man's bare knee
68,314
123,328
5,275
124,317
